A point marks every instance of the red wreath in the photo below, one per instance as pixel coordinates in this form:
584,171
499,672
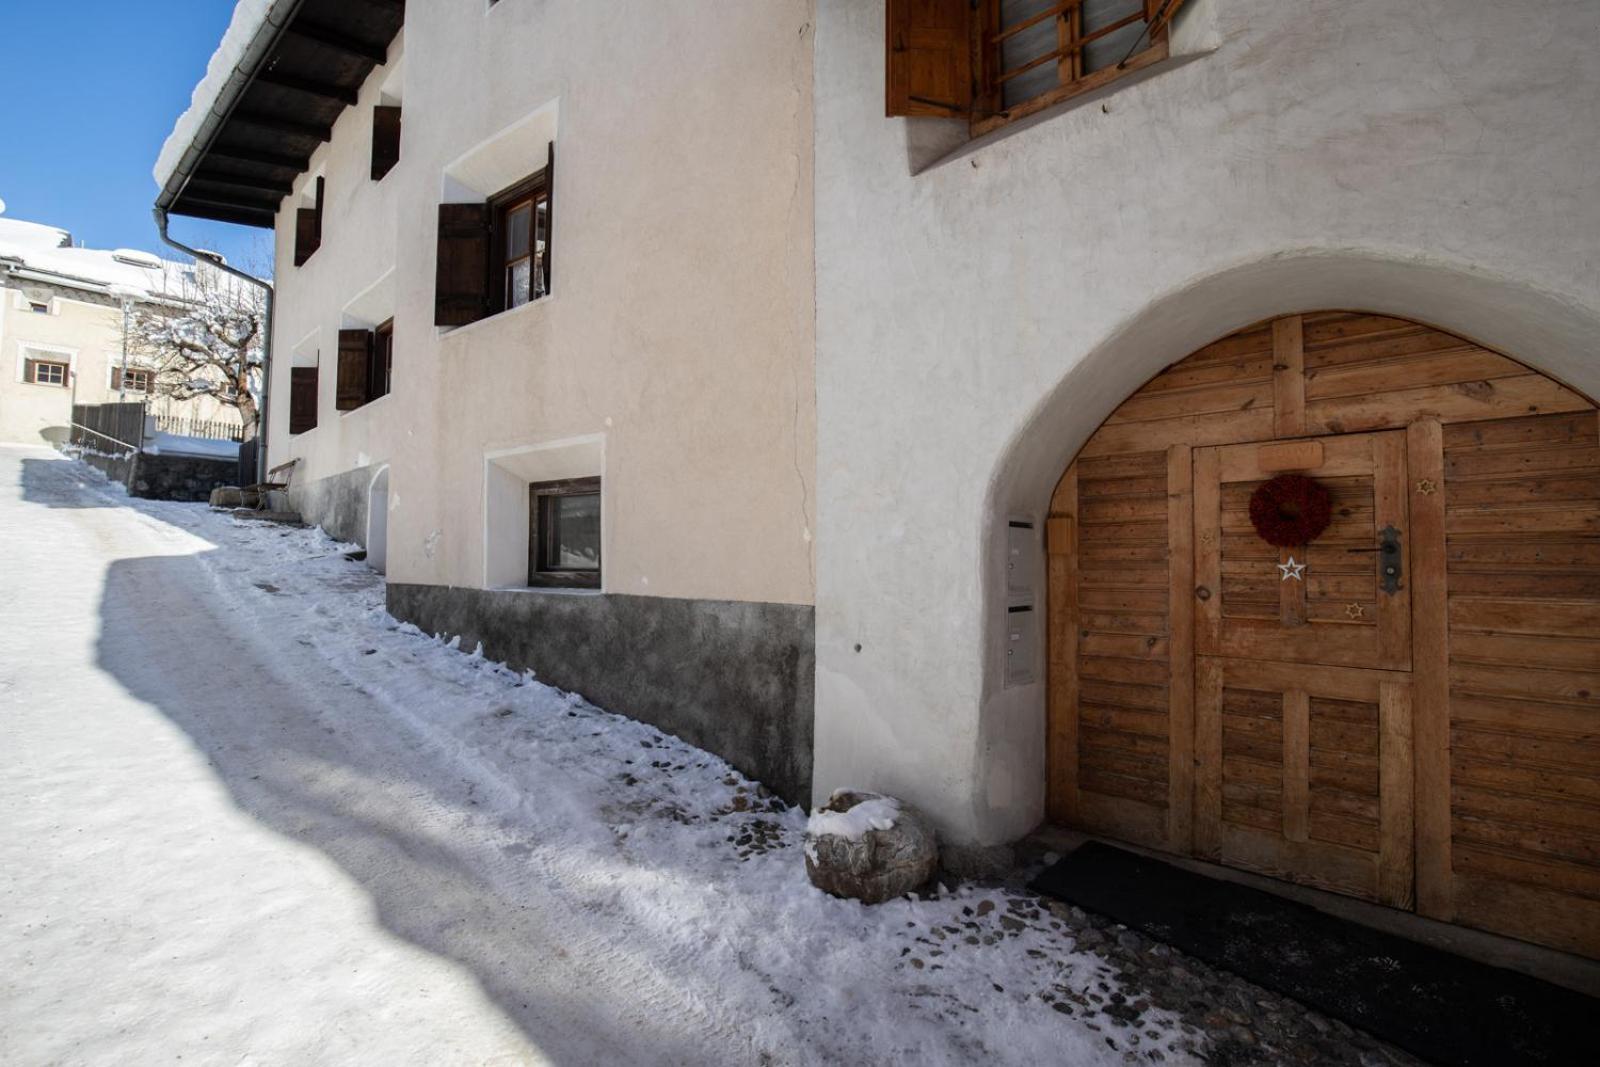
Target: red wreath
1290,510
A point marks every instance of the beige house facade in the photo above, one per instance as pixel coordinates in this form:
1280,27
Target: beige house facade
63,313
876,362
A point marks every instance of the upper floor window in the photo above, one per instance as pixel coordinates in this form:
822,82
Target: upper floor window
496,255
366,365
994,61
385,140
308,226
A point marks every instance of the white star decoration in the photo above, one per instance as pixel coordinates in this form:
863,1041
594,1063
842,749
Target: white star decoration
1292,570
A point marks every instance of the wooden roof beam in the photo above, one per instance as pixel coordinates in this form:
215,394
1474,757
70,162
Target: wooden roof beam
339,42
261,159
337,93
272,122
242,181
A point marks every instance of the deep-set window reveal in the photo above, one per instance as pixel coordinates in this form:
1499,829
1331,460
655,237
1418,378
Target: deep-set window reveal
994,61
564,535
496,255
366,366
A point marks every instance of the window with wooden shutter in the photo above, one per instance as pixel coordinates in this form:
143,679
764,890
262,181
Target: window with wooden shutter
46,372
930,58
355,360
385,140
302,399
995,61
461,287
308,228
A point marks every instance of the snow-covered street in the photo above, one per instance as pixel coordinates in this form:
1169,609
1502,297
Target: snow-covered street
250,818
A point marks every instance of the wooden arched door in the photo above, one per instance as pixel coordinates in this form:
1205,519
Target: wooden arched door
1414,716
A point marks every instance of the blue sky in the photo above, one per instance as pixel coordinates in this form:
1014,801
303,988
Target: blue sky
93,88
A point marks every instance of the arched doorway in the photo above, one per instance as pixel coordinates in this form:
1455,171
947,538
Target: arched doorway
1414,717
378,521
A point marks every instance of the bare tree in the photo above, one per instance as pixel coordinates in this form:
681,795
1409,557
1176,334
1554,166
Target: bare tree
205,340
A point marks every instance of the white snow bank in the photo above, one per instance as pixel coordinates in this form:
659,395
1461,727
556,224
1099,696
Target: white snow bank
249,17
878,813
172,444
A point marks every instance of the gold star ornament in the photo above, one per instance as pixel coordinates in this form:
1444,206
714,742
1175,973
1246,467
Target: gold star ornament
1426,487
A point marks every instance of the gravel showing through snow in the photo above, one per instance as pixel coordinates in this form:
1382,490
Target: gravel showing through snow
252,819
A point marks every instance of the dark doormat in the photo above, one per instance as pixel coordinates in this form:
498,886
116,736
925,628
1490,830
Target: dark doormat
1437,1006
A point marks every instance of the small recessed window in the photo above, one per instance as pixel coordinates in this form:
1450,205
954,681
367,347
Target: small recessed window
45,372
564,546
39,307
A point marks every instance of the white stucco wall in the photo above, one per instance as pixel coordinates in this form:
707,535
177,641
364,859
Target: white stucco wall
977,320
679,334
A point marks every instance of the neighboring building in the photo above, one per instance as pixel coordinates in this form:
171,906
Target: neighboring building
63,312
1101,275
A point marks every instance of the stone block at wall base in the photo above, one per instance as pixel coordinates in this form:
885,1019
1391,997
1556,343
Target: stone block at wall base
337,503
734,678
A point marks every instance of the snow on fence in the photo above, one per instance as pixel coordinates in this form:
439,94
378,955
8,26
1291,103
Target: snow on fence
184,426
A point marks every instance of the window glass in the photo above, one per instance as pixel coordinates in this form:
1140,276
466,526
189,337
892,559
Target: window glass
517,231
575,532
519,283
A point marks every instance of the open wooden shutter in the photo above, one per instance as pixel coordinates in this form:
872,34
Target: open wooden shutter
549,213
116,378
385,140
1158,13
306,233
461,289
930,58
355,359
302,399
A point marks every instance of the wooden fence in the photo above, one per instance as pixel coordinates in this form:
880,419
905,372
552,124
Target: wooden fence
108,427
216,429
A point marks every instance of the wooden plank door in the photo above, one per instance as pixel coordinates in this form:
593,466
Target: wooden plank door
1340,610
1305,773
1303,699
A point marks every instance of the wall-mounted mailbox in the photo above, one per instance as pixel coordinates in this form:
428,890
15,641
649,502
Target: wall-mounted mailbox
1022,550
1022,644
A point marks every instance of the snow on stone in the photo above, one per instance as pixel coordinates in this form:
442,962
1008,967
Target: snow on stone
620,894
249,16
878,813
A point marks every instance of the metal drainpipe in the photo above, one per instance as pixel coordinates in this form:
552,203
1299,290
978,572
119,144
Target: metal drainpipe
266,337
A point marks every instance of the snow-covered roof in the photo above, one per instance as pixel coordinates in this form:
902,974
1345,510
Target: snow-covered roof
47,252
207,100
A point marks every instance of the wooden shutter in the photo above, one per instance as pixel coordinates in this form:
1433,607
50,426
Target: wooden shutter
116,378
355,359
385,140
302,399
306,225
461,289
549,212
929,58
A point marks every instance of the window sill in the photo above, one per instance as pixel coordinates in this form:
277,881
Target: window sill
552,590
1045,112
368,405
445,333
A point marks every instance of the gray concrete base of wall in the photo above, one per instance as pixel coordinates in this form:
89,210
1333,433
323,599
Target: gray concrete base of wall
337,503
733,678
